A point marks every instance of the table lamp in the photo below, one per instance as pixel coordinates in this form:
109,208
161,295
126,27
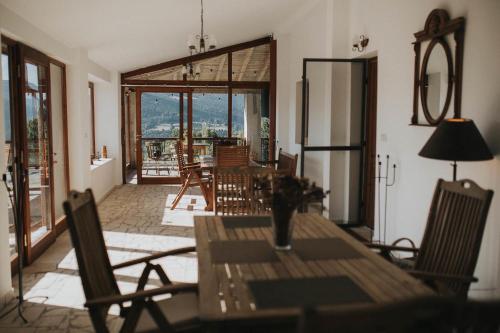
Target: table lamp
456,139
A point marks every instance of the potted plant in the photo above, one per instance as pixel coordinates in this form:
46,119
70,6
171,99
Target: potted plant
284,194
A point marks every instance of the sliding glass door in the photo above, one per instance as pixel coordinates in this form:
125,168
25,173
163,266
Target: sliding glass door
159,125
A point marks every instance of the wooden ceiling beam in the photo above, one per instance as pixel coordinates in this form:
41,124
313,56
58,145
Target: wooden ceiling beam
221,67
264,70
197,57
244,65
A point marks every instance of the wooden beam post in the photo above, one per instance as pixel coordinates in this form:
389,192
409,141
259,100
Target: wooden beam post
244,65
220,68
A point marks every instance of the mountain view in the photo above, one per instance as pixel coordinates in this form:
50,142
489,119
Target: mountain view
6,115
160,115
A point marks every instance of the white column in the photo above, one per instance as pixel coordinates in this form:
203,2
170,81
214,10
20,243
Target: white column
79,125
5,280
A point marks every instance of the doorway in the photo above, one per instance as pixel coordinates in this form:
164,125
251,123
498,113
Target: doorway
338,135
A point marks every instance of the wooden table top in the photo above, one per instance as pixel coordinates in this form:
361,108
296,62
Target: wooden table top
223,289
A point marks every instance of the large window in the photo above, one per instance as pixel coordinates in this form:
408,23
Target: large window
251,120
210,115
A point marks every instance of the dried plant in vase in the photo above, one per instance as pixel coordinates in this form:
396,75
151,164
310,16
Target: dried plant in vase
284,194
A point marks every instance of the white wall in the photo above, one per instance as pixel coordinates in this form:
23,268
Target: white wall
390,25
307,34
78,70
108,121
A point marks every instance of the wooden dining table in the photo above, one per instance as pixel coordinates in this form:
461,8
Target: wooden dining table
242,278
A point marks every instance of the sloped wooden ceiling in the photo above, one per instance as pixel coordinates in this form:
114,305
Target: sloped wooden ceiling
249,62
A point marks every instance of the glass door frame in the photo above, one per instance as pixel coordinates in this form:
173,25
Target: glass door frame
11,53
17,52
34,249
138,138
361,147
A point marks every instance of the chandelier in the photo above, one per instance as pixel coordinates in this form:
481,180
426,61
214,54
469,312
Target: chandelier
198,43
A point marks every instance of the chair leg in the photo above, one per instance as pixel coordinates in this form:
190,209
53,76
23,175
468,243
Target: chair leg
180,194
183,190
204,189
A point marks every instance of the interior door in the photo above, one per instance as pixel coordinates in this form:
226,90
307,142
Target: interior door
160,123
35,120
333,134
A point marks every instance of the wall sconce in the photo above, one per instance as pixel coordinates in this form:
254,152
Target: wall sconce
360,46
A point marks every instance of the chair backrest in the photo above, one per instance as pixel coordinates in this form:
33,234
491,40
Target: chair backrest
94,266
287,163
224,142
231,191
232,156
154,150
179,150
430,314
454,230
235,191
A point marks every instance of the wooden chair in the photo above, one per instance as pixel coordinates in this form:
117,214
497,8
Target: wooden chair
287,162
155,151
235,191
178,313
450,246
191,175
224,142
431,314
232,156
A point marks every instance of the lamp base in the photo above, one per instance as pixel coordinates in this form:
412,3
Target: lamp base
454,165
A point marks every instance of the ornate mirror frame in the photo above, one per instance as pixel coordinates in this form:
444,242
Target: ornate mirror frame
437,26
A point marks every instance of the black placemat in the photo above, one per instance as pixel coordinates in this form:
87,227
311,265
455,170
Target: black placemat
242,251
324,249
246,221
284,293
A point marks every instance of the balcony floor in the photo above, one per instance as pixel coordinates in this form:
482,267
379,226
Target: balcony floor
137,221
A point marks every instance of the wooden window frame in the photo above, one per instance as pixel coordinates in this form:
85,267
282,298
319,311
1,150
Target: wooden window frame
92,120
229,84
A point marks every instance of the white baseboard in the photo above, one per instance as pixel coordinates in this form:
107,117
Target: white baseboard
6,298
107,194
483,294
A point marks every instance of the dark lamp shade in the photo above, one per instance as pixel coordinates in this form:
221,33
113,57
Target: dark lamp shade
456,140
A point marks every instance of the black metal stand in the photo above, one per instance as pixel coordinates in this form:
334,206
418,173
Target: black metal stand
16,212
454,165
387,184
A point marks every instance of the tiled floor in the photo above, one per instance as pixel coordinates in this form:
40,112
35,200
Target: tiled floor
137,221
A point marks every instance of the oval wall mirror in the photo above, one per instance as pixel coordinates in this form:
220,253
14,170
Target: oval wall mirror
437,81
437,88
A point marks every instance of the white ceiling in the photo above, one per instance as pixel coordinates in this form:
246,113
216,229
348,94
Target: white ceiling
128,34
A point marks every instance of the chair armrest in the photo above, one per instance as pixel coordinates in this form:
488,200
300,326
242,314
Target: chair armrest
192,167
266,162
192,164
155,256
392,247
438,276
140,295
